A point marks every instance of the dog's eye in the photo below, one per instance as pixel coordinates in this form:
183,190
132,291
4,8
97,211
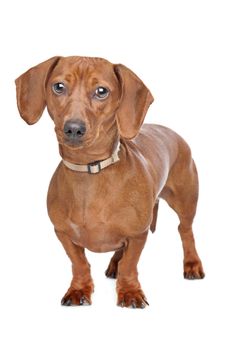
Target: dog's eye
59,88
101,93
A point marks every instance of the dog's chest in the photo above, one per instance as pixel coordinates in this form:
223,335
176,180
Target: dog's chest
103,216
99,213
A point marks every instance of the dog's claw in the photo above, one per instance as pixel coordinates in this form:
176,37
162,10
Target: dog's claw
112,275
122,304
133,304
189,276
111,272
134,299
67,302
85,301
82,301
77,297
193,270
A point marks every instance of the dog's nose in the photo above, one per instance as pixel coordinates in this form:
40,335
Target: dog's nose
74,129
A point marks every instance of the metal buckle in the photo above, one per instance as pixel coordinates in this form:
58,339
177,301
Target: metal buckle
90,165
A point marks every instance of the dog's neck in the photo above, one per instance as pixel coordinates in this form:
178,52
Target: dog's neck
102,149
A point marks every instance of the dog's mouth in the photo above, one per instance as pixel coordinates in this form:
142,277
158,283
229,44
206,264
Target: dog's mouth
74,144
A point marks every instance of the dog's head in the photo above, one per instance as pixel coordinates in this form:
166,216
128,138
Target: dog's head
84,96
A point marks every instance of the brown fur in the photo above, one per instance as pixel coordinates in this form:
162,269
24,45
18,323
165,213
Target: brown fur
114,209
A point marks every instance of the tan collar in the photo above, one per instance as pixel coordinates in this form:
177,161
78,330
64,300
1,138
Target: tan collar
95,167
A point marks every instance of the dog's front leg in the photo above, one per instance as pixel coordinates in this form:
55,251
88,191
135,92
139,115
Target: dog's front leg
129,289
81,286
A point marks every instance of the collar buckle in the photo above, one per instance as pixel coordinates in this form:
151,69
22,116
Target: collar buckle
94,168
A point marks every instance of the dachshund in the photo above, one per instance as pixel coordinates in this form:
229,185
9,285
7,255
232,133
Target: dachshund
105,192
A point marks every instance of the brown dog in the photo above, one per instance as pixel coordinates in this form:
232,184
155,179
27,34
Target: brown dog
104,194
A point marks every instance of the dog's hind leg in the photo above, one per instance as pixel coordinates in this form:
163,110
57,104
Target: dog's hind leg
155,215
112,269
181,194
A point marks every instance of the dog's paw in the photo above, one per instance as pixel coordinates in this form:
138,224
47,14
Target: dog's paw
193,270
111,271
132,298
77,297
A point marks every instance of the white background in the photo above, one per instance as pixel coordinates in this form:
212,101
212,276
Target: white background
183,52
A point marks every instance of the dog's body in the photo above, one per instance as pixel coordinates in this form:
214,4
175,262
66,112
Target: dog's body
100,212
114,209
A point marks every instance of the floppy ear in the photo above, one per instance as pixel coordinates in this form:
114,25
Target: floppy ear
135,101
30,90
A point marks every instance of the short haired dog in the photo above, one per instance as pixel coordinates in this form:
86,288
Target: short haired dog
105,192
